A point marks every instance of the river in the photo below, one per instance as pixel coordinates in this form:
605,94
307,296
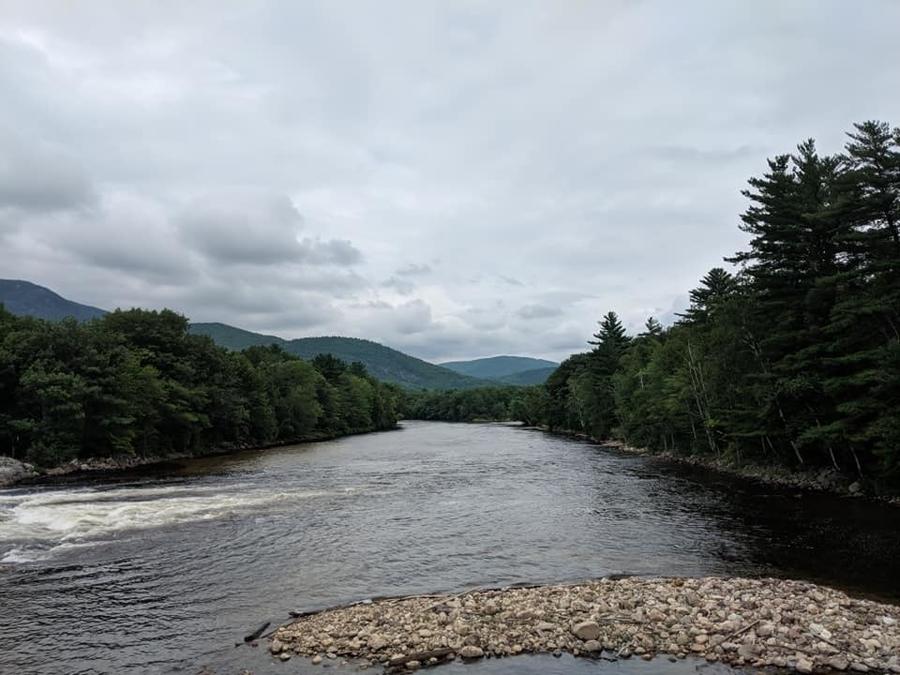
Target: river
164,569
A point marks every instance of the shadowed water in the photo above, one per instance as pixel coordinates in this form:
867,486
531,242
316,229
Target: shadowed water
163,570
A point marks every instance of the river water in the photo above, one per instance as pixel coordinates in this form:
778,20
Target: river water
164,569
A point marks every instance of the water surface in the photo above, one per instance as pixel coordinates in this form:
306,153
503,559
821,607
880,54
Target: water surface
164,570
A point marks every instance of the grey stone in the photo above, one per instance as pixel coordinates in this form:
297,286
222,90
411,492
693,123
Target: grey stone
586,630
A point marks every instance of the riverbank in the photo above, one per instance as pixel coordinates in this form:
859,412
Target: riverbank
823,479
742,622
14,472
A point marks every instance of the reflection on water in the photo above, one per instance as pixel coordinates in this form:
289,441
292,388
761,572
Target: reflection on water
165,569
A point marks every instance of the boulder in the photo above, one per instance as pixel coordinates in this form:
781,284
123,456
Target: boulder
12,471
586,630
804,666
377,642
471,652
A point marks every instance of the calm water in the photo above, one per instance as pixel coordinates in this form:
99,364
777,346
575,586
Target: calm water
164,570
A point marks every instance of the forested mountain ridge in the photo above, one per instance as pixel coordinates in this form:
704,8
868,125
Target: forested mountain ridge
384,363
232,337
27,299
24,298
527,378
501,367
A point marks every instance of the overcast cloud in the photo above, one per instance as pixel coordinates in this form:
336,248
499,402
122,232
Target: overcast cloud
454,179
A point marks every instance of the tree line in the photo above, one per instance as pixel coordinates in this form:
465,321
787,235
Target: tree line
137,382
793,357
482,404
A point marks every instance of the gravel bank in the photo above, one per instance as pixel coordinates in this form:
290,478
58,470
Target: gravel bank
750,622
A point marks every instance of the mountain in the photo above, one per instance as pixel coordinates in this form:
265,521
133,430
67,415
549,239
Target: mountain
508,369
389,365
234,338
27,299
528,377
383,362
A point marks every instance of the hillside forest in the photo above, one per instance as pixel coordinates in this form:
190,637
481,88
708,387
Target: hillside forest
137,382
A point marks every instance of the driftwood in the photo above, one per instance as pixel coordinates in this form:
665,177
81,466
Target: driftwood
740,631
259,631
398,664
443,597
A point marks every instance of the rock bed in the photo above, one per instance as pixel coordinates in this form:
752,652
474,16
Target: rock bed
749,622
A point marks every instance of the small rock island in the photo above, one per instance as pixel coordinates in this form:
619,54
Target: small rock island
742,622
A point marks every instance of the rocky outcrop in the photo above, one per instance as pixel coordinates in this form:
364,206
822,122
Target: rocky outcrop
12,471
746,622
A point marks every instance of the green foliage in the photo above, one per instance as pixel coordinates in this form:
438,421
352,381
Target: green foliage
793,360
137,382
496,404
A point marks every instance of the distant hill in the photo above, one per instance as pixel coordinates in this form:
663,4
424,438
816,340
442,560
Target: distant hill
383,362
234,338
528,377
508,369
24,298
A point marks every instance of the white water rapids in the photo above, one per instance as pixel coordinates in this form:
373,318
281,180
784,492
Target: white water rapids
36,525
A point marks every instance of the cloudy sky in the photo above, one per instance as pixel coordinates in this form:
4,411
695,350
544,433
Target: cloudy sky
455,179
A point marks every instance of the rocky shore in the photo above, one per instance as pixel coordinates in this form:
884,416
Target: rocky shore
12,471
744,622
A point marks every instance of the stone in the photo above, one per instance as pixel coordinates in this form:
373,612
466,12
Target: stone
545,626
377,642
859,667
855,488
820,631
276,646
316,660
471,652
804,666
413,665
12,471
586,630
837,663
593,646
285,656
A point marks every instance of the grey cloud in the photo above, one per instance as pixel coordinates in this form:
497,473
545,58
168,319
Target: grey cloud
536,311
169,156
511,280
36,177
401,286
331,252
413,270
683,154
411,317
244,227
